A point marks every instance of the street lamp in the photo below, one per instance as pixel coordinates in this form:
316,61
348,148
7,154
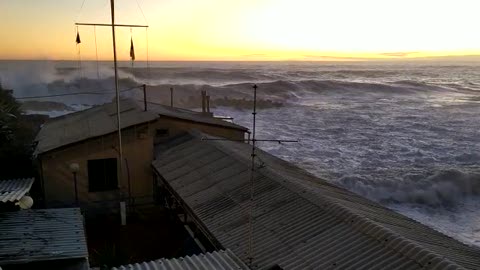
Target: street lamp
74,168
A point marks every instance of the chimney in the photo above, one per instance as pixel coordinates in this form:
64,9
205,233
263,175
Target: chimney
145,96
203,101
208,103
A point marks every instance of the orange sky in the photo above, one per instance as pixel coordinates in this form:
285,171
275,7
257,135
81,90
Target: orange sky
243,30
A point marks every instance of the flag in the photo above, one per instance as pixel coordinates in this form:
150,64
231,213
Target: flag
132,51
78,38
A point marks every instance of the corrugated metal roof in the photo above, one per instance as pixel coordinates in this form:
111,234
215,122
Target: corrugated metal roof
217,260
14,189
301,222
90,123
191,116
41,235
102,120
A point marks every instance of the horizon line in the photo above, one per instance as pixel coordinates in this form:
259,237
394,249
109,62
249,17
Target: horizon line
311,58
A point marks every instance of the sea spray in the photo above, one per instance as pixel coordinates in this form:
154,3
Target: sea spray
403,134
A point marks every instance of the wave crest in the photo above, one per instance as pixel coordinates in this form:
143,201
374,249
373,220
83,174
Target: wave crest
444,188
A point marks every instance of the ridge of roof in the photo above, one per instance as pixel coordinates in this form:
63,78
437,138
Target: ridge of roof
186,114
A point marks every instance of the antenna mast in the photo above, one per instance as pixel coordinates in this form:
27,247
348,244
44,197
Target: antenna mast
251,213
117,96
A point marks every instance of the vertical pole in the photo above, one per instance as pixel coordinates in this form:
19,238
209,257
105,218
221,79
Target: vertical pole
252,178
76,190
203,101
208,103
145,96
171,96
119,127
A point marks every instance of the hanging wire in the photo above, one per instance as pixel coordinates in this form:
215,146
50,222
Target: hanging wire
96,50
141,10
148,58
80,10
83,93
132,50
78,42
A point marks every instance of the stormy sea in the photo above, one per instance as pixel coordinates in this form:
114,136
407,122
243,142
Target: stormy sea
405,134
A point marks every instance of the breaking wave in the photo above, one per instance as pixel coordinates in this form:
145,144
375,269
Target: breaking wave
405,135
442,189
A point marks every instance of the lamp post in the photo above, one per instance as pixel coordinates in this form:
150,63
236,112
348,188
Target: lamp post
74,168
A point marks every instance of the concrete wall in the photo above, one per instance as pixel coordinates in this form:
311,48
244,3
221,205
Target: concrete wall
138,149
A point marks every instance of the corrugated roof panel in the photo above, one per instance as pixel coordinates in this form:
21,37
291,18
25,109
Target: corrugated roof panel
14,189
41,235
189,115
217,260
90,123
301,222
101,120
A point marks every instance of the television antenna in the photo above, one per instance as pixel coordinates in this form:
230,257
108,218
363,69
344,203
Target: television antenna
117,92
253,155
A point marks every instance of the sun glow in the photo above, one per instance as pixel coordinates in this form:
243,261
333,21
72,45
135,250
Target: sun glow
244,30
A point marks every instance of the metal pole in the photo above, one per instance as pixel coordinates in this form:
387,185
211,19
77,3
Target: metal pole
145,96
203,102
76,190
252,181
119,127
208,103
171,96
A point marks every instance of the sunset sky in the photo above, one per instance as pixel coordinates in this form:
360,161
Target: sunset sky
243,29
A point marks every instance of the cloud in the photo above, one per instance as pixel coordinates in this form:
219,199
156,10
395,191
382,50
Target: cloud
329,57
397,54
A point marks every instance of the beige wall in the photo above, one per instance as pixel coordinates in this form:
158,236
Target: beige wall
138,144
137,149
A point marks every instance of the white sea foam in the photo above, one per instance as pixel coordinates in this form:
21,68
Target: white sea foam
405,135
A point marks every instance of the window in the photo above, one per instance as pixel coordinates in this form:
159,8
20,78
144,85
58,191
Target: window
102,174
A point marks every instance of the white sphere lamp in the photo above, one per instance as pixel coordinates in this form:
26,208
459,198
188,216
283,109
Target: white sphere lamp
26,202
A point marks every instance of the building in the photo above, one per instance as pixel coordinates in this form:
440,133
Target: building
217,260
77,153
299,220
43,239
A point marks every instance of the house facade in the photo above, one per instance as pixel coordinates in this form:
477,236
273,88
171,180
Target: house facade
78,153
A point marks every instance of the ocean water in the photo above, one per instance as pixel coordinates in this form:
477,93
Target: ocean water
403,134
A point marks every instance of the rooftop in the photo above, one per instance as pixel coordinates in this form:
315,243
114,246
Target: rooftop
217,260
189,115
102,120
300,221
90,123
14,189
41,235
